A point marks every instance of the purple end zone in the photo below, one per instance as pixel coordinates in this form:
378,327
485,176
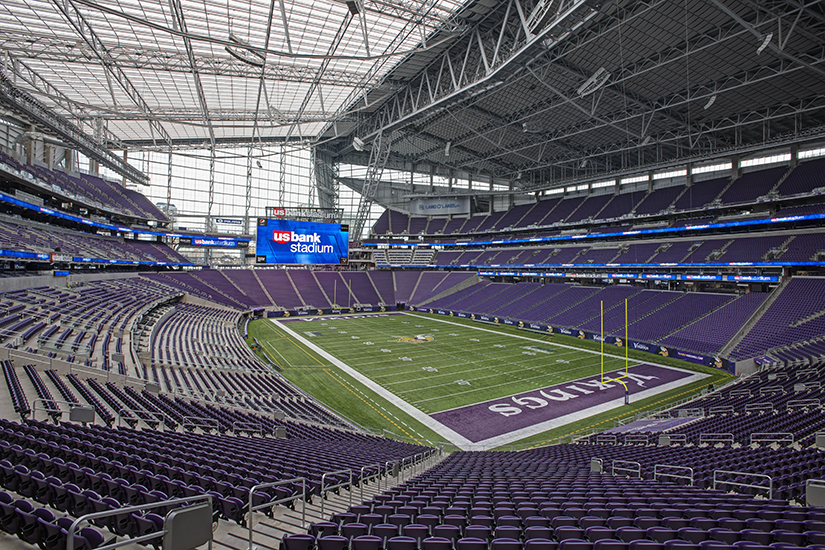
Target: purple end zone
337,316
501,416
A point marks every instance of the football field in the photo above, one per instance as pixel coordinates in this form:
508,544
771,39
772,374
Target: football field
473,384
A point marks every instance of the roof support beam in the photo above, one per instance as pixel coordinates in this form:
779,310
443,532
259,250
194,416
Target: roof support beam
180,22
29,107
85,31
509,47
773,47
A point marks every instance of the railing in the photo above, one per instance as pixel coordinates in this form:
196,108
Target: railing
675,438
45,403
662,470
721,409
271,503
251,427
607,438
201,422
327,488
771,390
628,466
149,417
369,477
716,438
193,501
740,393
769,438
757,407
717,481
636,438
802,404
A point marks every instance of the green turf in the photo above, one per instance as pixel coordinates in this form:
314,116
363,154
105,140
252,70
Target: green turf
455,363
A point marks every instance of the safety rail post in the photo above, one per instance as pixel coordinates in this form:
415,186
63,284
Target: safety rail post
342,484
607,438
618,465
387,465
741,484
272,503
657,472
129,509
376,475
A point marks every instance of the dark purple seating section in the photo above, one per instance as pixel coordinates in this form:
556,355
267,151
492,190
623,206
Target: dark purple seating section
547,497
90,189
794,316
784,248
751,187
693,321
32,237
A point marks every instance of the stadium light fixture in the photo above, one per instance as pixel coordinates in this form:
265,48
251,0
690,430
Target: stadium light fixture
447,148
596,81
358,143
765,42
710,102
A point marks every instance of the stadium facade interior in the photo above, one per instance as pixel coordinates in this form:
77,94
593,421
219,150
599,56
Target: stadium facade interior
644,175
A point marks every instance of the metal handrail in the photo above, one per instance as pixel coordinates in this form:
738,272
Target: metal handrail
272,503
766,406
678,438
657,473
617,465
716,438
151,416
607,438
721,409
802,403
245,427
209,422
740,484
129,509
636,438
45,401
766,437
364,478
342,484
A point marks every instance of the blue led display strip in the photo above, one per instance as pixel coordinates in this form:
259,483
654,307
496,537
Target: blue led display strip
214,241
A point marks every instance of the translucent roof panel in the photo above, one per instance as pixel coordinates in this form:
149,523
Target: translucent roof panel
209,68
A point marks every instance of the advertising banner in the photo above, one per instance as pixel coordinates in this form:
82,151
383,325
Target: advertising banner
439,207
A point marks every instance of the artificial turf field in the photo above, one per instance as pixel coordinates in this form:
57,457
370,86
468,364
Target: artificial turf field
397,371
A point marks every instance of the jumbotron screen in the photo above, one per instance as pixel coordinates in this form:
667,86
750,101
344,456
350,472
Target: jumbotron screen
282,241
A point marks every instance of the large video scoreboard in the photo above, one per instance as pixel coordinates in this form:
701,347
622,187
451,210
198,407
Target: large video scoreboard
282,241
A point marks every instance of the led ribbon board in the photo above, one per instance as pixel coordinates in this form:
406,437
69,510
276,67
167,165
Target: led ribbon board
293,242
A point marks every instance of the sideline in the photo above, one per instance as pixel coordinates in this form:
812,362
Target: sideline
450,435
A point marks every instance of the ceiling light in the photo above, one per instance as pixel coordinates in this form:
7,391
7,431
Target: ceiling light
447,149
710,102
358,143
259,164
593,83
646,140
765,42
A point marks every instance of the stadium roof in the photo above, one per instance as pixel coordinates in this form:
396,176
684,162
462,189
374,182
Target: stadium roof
201,71
538,92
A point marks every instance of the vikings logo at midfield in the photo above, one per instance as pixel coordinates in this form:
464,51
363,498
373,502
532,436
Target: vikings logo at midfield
417,339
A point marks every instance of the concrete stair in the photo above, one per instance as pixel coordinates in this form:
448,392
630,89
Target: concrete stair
267,532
